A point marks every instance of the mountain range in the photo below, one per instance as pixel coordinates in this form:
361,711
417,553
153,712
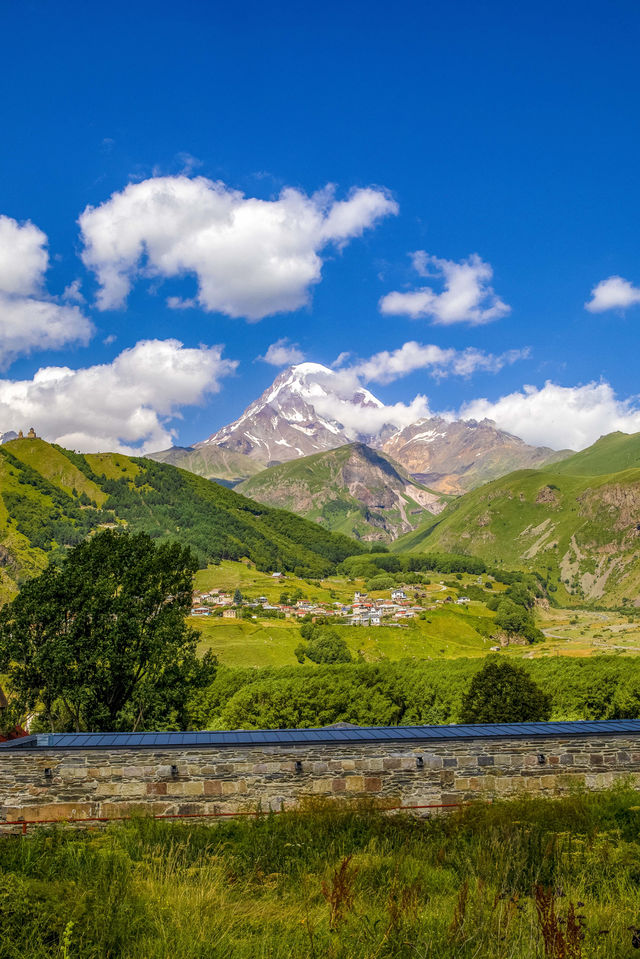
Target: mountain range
575,523
310,408
321,445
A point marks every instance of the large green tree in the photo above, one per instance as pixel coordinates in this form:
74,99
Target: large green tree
502,692
101,642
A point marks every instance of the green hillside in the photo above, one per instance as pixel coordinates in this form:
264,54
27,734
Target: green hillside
581,533
51,498
212,462
353,490
610,454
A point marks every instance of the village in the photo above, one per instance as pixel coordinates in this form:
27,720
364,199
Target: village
395,610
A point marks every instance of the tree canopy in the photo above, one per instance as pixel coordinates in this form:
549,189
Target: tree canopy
322,646
502,692
101,642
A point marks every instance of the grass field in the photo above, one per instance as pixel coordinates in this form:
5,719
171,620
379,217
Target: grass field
571,632
524,879
448,633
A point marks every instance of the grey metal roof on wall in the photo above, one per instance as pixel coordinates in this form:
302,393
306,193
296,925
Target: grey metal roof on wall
326,735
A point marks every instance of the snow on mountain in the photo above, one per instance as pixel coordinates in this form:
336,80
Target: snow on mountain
458,455
308,408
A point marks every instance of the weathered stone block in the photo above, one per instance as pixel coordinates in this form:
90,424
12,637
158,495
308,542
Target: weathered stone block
391,762
355,784
156,789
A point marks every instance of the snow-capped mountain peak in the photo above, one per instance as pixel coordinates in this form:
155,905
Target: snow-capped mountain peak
308,408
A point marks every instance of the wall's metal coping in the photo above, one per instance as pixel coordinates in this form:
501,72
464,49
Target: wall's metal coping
325,736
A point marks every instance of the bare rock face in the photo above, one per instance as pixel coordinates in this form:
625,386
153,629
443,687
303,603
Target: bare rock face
548,496
457,456
306,410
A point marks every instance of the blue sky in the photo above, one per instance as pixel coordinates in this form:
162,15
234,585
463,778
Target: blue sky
498,142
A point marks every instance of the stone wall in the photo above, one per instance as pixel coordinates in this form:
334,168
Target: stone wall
49,783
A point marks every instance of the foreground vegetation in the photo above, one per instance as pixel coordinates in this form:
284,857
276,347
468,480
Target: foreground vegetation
407,692
516,880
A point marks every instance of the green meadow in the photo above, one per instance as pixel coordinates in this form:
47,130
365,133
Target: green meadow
523,879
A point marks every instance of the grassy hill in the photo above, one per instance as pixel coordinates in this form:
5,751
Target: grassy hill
51,498
581,532
610,454
212,462
352,490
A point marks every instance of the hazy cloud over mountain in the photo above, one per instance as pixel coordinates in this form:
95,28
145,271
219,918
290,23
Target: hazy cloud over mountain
283,353
559,416
390,365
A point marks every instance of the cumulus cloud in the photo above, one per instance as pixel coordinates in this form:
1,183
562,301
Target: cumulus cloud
250,257
125,405
559,416
611,294
368,419
466,296
283,353
29,318
390,365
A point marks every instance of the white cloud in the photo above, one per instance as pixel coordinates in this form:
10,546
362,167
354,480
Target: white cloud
251,257
368,420
28,324
30,319
390,365
467,296
23,257
611,294
283,353
558,416
125,405
73,292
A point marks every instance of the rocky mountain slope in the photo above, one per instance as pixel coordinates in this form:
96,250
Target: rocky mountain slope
353,490
581,532
51,498
213,462
302,412
455,457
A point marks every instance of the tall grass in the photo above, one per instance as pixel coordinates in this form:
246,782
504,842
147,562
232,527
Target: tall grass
558,879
